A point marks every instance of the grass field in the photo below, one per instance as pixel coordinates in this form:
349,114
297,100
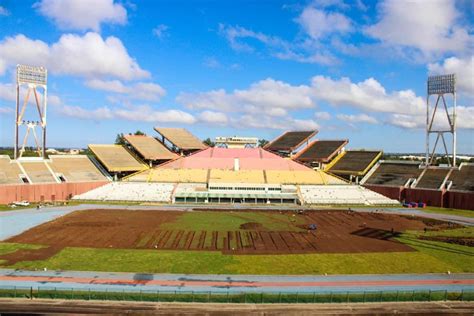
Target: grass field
448,211
231,221
430,257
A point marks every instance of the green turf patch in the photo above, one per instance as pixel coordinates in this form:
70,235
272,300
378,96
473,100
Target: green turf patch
9,247
231,221
448,211
431,257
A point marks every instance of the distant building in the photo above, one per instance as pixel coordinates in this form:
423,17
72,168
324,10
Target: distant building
237,142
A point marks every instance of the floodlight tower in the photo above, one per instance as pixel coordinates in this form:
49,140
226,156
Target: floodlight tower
441,86
32,78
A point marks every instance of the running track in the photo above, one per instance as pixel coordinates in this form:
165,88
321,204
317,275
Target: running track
101,281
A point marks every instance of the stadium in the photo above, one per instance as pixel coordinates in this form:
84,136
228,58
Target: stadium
165,202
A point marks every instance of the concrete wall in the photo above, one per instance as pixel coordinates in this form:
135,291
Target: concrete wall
448,199
47,192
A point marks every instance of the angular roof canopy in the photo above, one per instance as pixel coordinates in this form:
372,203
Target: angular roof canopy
149,148
289,141
116,158
321,150
181,138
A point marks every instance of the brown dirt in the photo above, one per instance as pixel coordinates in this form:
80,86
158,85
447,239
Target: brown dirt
463,241
251,226
337,232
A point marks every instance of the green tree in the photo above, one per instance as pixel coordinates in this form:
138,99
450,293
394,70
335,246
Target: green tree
119,139
209,142
139,132
262,142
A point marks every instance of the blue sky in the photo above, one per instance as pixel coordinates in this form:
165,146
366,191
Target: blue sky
351,69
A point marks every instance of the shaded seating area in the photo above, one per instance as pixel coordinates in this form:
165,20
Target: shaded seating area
116,159
462,178
9,171
321,151
75,168
432,178
181,139
290,141
394,173
149,148
354,163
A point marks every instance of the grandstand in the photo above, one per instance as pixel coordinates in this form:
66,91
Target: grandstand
393,173
343,195
128,191
116,159
462,179
432,178
353,164
10,172
149,149
288,142
320,151
180,139
37,170
75,168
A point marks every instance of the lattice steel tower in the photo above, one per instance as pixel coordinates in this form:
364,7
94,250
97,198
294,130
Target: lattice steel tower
32,78
441,86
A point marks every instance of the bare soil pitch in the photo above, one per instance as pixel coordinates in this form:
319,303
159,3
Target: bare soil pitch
337,232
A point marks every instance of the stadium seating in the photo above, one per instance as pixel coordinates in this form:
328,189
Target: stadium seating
130,191
432,178
301,177
462,179
75,168
241,176
176,175
9,171
37,170
320,151
181,138
149,148
290,141
342,195
394,173
116,158
354,162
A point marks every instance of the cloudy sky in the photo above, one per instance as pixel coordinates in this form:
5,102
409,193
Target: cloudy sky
351,69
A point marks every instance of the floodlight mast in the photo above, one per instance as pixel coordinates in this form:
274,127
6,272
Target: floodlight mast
32,77
440,86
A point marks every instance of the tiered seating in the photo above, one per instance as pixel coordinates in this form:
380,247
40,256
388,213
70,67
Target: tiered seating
320,151
181,138
183,188
463,179
128,191
75,168
241,176
343,195
290,141
394,173
355,162
116,158
149,148
9,171
37,171
432,178
300,177
176,175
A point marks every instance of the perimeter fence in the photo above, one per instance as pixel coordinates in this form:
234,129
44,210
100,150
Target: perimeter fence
234,297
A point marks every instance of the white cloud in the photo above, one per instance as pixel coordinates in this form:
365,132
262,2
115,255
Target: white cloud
428,26
161,31
7,91
85,56
323,116
240,39
462,67
143,113
368,95
268,122
140,91
5,110
213,117
4,11
357,118
82,14
268,96
465,119
320,23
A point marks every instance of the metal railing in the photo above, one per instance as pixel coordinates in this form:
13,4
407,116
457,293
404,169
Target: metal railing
234,297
